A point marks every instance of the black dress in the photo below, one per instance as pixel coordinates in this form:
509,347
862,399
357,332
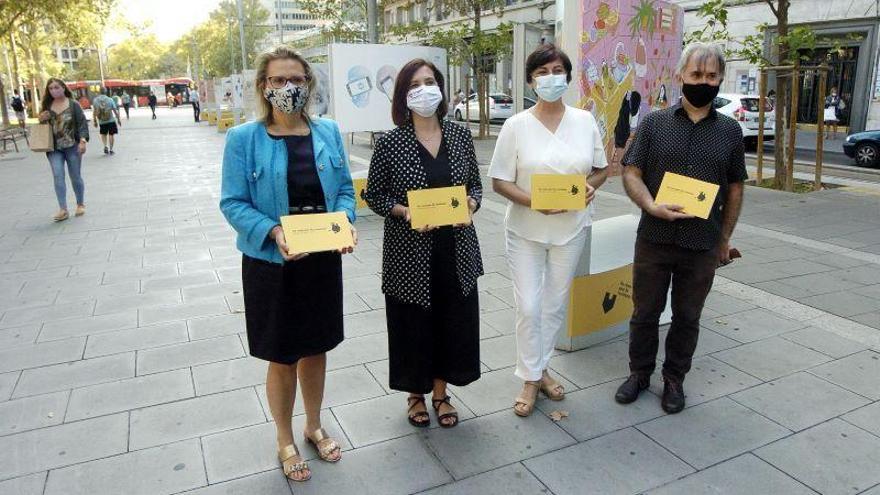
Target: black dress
442,341
294,310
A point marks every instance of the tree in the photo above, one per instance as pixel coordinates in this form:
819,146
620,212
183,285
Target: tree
346,18
136,57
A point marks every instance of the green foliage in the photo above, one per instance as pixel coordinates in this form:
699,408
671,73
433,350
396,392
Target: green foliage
346,18
644,18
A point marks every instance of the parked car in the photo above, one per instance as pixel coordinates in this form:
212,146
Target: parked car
744,109
864,147
500,108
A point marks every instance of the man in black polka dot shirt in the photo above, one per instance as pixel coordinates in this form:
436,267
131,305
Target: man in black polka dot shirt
690,139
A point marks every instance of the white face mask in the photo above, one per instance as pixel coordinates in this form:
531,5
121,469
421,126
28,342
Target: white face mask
551,87
424,100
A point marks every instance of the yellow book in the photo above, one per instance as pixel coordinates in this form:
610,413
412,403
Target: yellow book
438,206
360,186
696,196
317,232
559,192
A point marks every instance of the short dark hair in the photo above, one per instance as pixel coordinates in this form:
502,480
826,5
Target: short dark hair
545,54
399,111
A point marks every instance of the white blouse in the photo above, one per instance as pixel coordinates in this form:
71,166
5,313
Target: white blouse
526,147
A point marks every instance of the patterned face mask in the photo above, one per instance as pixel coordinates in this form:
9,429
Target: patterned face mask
289,99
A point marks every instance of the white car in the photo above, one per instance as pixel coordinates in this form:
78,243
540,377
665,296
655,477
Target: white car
744,109
500,108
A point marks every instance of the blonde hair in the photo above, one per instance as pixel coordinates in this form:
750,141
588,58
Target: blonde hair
281,53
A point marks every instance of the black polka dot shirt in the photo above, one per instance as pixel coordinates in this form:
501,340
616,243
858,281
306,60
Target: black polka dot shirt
710,150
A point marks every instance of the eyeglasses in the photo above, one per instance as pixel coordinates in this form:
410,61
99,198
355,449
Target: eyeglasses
278,82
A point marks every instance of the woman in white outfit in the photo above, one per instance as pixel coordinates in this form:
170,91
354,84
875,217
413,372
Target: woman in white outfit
543,246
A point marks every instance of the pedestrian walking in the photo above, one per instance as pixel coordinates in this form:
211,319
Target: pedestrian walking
70,131
126,103
834,106
293,301
152,101
429,275
544,246
672,248
17,104
105,115
169,99
197,109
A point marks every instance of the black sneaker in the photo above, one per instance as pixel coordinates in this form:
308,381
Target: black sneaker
673,396
106,151
629,391
112,152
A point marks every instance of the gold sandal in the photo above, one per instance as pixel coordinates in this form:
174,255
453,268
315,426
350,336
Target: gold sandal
324,444
525,401
289,467
551,388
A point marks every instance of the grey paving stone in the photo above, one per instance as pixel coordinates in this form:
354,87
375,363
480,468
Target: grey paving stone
19,317
799,401
863,275
871,319
780,288
343,386
822,283
397,460
160,272
825,342
185,311
244,451
831,458
367,323
752,325
216,326
797,267
490,303
189,354
866,418
78,327
358,350
353,304
749,274
31,413
844,303
26,485
771,358
496,391
53,285
492,441
872,291
708,342
137,301
593,411
35,355
7,383
135,339
180,281
56,446
13,337
504,321
379,370
159,471
375,300
123,289
850,373
716,431
190,418
710,379
130,394
75,374
229,375
514,479
624,462
267,483
498,352
744,475
594,365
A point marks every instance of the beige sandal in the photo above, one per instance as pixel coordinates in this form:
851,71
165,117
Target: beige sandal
551,388
80,210
529,403
61,216
324,444
292,462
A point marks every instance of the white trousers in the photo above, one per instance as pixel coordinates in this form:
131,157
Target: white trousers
542,275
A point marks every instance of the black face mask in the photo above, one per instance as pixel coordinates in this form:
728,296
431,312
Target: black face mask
699,95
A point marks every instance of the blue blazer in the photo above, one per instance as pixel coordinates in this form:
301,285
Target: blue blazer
253,195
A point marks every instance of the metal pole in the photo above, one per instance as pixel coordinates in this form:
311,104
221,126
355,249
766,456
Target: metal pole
820,127
372,22
229,39
101,65
792,132
280,22
762,101
244,63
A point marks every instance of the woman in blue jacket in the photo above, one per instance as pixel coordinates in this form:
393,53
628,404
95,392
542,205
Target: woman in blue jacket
288,163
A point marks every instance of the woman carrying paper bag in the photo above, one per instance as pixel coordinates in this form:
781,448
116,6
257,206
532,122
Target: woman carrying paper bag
287,163
429,273
70,133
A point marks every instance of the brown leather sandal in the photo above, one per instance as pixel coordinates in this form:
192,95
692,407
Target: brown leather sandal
528,402
324,444
420,419
292,462
450,415
552,388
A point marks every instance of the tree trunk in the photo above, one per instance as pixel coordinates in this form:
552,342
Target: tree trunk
3,107
783,98
478,71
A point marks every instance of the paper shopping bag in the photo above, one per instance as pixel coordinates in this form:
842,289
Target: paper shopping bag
41,138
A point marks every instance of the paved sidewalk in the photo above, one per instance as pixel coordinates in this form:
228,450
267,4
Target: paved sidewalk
124,368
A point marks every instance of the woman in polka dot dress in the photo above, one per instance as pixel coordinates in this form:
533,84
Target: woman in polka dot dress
429,275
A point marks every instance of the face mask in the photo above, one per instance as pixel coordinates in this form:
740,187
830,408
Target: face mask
424,100
699,95
56,92
551,87
289,99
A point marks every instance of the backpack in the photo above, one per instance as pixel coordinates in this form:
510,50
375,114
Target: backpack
17,105
102,110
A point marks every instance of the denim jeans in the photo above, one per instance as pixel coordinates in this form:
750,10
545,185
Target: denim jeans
691,274
74,162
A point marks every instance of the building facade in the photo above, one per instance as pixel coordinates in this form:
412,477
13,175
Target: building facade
289,20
